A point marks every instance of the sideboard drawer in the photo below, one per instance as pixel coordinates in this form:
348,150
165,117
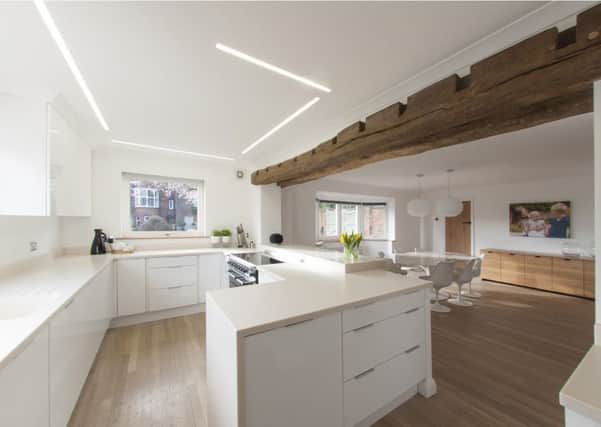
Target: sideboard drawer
374,343
539,272
364,314
491,265
513,268
370,390
589,278
568,276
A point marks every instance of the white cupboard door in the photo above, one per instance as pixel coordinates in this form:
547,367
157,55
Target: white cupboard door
293,375
211,273
70,168
24,177
24,386
131,286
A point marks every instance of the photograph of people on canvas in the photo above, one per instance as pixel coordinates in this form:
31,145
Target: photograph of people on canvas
542,219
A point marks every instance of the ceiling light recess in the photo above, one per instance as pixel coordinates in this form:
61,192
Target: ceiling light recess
271,67
287,120
62,46
170,150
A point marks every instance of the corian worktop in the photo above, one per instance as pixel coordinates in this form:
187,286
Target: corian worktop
582,391
182,252
305,291
47,288
334,255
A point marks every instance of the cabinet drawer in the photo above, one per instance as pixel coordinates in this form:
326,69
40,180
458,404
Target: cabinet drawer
364,314
568,276
176,296
369,345
491,265
538,272
171,261
370,390
589,278
166,277
491,256
540,260
513,268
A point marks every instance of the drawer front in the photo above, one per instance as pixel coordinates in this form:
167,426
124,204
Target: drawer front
539,272
369,391
491,255
491,265
166,277
364,314
374,343
171,261
540,260
177,296
491,273
589,278
568,276
513,262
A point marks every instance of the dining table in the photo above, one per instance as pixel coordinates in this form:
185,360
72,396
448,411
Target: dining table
426,259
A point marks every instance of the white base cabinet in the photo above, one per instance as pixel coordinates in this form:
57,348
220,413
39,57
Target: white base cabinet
211,274
24,386
131,286
75,336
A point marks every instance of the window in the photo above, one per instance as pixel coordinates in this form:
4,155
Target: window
337,217
159,205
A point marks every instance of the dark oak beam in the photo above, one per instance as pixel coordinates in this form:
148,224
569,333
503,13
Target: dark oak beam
544,78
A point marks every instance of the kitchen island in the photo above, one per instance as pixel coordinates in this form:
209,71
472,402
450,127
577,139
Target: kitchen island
320,347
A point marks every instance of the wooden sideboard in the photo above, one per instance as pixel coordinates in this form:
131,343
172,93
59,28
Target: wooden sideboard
571,276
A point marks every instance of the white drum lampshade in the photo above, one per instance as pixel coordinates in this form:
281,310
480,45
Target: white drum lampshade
419,207
449,206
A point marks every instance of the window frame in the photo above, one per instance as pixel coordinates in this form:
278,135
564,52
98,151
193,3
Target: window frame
360,218
128,233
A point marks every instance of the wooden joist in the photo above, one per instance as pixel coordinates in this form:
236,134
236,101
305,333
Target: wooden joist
542,79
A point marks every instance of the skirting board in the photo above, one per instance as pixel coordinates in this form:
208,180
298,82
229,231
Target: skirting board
384,410
598,333
134,319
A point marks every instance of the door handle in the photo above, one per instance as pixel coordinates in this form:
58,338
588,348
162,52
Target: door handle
360,328
412,349
364,373
298,323
412,310
175,287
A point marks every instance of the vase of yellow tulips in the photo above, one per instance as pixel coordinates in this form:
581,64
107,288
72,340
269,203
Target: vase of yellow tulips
350,242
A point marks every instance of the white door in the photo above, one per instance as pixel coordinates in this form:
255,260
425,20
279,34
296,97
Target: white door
211,273
131,286
293,375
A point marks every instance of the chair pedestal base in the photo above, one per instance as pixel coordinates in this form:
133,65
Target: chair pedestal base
470,293
460,301
438,307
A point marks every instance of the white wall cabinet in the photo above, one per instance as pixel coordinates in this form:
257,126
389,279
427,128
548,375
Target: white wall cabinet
211,273
24,386
70,168
131,286
306,355
75,336
23,156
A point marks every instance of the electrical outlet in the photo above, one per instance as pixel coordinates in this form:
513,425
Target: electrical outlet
33,246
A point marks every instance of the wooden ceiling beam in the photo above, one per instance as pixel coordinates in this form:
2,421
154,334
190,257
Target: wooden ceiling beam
544,78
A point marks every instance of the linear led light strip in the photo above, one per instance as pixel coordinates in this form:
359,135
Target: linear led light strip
282,124
170,150
271,67
62,46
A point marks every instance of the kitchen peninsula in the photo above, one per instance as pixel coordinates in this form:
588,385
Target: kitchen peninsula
320,347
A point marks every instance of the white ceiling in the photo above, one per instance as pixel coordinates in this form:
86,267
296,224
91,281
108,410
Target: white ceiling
542,152
158,78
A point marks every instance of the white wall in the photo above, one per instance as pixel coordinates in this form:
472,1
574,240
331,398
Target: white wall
490,210
597,200
298,214
18,231
229,200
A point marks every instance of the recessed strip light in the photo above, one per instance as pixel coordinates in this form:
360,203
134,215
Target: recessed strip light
281,125
271,67
62,46
170,150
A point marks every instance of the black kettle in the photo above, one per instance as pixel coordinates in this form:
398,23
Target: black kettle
98,247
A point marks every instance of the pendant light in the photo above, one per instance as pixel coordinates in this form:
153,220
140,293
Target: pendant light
419,207
449,206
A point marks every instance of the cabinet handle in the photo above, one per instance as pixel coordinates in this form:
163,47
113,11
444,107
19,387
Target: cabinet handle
174,287
360,328
363,305
412,349
68,303
412,310
364,373
298,323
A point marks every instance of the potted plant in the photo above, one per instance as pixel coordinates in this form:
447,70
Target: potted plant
216,237
226,236
350,243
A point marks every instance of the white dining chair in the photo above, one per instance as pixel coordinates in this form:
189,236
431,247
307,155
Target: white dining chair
477,271
441,276
463,277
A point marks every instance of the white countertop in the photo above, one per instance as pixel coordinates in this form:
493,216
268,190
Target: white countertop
582,391
305,292
334,255
48,288
182,252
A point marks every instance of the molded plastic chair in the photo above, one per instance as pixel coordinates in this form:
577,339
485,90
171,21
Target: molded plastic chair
461,278
441,276
476,273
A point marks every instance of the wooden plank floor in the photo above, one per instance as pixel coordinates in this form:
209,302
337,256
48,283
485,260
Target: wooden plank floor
499,363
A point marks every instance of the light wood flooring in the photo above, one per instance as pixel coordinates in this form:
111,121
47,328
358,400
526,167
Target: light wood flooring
501,362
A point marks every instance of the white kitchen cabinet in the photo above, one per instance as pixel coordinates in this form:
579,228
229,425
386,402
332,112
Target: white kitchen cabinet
24,386
211,273
293,375
172,282
24,175
131,286
70,168
75,336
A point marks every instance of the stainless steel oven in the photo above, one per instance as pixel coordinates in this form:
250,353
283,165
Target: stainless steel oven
242,268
